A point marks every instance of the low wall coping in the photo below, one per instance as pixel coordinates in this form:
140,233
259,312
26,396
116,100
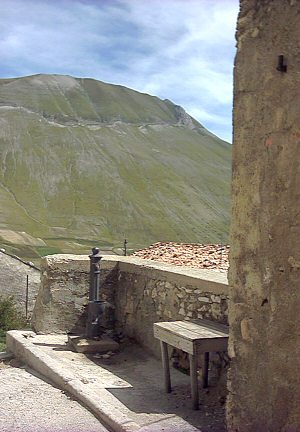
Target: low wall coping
207,280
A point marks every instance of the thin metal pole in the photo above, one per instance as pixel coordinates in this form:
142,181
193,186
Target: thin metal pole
97,281
27,292
125,247
91,292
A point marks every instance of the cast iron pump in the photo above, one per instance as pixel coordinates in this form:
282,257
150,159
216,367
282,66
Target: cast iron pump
96,307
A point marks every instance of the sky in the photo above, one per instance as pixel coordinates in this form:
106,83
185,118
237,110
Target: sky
182,50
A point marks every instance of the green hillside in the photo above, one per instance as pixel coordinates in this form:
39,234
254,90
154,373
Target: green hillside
84,163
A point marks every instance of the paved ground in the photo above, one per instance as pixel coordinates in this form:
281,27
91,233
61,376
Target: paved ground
150,405
126,387
29,404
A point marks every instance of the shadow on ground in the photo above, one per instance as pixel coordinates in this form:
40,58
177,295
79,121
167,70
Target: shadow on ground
147,396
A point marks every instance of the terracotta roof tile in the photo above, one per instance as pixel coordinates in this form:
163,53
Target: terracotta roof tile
214,257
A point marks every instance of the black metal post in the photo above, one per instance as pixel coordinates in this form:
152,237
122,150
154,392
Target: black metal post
95,274
125,247
96,306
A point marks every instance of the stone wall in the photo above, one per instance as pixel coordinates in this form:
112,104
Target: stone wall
264,312
63,296
13,281
140,293
149,292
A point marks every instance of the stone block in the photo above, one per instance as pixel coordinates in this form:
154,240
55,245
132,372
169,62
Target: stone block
91,346
204,299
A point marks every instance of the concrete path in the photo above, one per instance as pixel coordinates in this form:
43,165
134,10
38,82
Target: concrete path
124,390
29,404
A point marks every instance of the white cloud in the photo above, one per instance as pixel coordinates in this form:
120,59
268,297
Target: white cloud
177,49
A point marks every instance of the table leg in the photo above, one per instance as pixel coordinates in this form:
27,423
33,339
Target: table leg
205,370
166,368
194,381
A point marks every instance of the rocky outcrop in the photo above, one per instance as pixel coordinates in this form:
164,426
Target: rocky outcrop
13,281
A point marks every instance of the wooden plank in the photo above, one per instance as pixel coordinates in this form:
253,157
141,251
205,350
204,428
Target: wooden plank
194,381
192,327
177,330
173,327
178,335
174,340
166,367
189,331
201,331
220,329
212,324
205,370
211,345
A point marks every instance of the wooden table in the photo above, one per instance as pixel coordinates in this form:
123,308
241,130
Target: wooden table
197,337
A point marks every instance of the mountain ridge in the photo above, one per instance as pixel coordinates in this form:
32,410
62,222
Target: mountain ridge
88,159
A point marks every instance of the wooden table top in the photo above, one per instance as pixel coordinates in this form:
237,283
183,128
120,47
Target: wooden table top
193,331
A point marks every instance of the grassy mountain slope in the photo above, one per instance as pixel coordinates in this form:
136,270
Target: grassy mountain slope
81,159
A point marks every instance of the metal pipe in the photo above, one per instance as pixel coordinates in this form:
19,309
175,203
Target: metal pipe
95,307
95,275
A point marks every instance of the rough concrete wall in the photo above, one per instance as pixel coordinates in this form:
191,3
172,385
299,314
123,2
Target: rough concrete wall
149,292
264,306
13,280
63,296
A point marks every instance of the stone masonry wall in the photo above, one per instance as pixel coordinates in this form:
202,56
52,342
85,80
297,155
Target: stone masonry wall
140,293
149,292
264,306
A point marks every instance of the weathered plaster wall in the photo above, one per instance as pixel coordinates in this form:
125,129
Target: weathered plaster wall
264,305
140,293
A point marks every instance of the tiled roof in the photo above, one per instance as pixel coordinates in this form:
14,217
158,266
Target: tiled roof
214,257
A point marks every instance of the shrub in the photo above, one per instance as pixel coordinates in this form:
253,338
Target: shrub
10,318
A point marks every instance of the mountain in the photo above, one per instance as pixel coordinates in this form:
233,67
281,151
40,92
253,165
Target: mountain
84,162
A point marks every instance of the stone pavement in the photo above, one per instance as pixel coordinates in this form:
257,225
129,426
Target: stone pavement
29,404
125,390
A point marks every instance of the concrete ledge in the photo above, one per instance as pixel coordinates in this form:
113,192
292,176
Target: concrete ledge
101,403
206,280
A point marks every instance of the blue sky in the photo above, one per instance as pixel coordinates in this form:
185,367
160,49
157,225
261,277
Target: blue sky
182,50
